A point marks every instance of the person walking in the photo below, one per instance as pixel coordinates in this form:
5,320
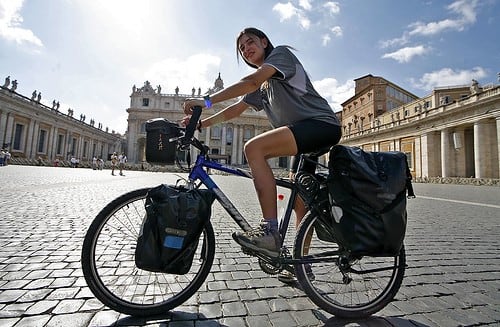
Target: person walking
302,122
114,161
122,159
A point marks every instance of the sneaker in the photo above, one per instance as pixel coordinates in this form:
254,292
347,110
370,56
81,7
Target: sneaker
260,239
287,277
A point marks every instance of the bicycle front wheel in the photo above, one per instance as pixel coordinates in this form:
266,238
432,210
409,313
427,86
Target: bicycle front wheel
108,262
344,285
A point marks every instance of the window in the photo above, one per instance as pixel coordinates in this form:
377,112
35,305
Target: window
247,134
167,105
215,133
85,146
73,146
18,135
145,102
143,128
41,141
229,136
60,142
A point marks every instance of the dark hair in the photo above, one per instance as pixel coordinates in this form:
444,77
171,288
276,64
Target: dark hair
258,33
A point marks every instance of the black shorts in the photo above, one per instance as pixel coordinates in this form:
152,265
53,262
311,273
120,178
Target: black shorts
310,136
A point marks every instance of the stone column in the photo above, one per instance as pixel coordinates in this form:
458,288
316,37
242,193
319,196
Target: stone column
431,160
31,139
3,126
52,143
132,137
234,149
8,132
445,153
458,144
241,143
223,140
481,155
498,146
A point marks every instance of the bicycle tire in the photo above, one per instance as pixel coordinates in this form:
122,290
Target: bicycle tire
348,295
109,267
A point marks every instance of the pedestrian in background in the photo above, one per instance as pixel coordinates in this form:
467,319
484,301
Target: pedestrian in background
114,161
122,159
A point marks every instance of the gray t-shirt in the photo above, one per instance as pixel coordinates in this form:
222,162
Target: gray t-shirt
289,95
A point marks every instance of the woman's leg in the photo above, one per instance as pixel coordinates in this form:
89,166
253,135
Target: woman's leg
275,143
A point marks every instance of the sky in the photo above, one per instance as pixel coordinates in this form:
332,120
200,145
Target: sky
88,54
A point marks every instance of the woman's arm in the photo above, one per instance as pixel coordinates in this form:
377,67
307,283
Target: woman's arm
246,85
228,113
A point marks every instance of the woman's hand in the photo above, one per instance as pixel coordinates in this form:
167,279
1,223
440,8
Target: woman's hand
188,105
185,120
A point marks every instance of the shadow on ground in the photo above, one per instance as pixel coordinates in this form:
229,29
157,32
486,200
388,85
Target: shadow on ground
373,321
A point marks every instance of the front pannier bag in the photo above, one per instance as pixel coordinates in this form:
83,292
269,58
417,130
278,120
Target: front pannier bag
370,188
171,228
158,148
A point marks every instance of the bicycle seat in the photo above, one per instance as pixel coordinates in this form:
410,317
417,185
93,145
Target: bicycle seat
318,153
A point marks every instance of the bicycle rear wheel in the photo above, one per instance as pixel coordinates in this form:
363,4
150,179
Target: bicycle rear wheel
344,285
109,266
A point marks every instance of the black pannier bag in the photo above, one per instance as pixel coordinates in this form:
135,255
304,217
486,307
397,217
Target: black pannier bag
171,228
368,193
158,148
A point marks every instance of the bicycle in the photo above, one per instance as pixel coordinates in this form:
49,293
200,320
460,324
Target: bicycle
341,283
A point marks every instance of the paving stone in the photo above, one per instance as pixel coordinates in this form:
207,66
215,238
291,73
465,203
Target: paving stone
257,308
453,276
234,309
68,306
41,307
73,320
8,322
9,296
39,320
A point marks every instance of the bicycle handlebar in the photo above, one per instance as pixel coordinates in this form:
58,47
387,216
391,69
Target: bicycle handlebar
191,127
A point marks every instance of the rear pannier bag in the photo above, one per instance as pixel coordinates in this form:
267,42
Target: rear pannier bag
158,148
368,193
170,231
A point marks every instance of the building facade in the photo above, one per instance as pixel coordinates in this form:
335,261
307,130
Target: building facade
453,132
226,140
31,130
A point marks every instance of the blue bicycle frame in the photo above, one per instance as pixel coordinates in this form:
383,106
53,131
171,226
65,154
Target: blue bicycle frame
198,173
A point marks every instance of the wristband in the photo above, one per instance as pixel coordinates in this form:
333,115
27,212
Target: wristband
208,103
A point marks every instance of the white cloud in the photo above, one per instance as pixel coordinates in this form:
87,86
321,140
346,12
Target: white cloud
448,77
394,42
10,24
288,11
337,31
306,4
404,55
334,93
285,10
332,7
466,11
325,39
173,72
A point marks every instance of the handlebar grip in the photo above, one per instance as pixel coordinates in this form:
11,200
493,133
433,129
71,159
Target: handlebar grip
191,126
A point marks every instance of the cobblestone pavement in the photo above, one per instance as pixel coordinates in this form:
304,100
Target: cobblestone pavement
453,256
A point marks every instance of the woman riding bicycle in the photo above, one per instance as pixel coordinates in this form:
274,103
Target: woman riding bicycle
302,122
